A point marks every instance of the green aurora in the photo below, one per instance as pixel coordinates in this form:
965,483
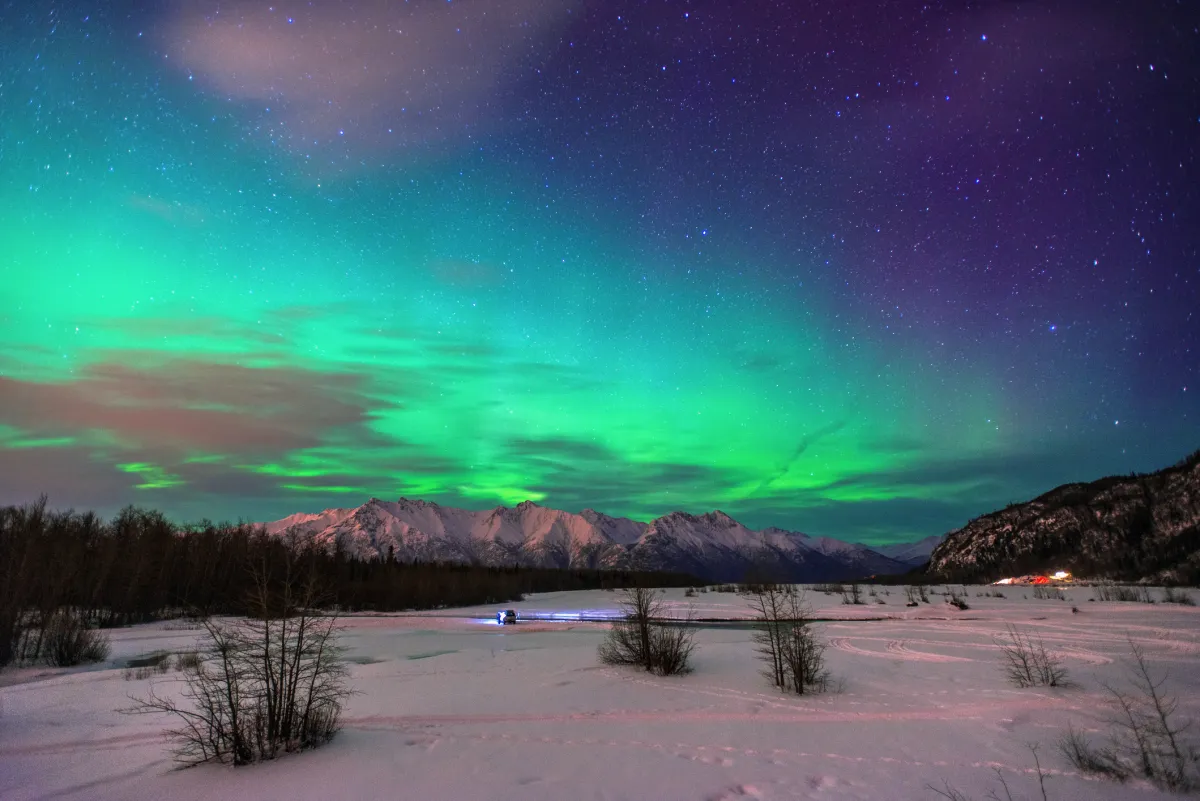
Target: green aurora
203,316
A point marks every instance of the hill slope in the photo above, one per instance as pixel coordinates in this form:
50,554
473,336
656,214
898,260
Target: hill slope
1121,527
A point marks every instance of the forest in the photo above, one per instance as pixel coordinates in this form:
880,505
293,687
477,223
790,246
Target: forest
140,566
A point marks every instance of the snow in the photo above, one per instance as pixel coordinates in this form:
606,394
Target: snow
704,543
452,706
914,553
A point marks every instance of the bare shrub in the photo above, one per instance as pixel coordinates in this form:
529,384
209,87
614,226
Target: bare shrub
1147,739
853,595
1105,591
671,649
1027,663
187,660
143,667
912,597
1090,759
642,637
260,686
1045,592
67,640
1172,595
958,599
786,641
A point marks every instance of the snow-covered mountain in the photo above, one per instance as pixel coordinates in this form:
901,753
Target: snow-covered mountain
911,553
713,546
1121,527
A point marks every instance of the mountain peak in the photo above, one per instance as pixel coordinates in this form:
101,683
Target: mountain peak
710,546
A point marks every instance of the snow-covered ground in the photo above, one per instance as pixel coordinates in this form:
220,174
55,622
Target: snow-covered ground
452,706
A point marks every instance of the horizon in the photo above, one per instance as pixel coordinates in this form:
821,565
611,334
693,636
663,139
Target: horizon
856,270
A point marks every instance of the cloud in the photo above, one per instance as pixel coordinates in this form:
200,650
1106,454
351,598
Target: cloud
185,405
70,476
380,75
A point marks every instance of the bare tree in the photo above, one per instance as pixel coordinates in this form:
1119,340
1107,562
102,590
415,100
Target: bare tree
852,596
261,685
785,640
68,640
768,606
1147,738
1026,661
643,637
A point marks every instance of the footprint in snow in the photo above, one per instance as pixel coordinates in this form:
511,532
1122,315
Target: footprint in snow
741,791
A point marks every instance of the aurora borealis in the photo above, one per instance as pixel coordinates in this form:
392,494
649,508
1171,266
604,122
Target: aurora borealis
861,269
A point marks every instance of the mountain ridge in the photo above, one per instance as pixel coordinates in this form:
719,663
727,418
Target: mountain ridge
712,545
1139,526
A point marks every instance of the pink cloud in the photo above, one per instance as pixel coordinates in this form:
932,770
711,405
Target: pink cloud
187,405
376,74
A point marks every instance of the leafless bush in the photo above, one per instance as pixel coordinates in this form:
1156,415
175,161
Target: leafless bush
1147,739
1094,760
911,596
853,595
1045,592
1118,592
143,667
786,642
68,640
671,649
642,637
958,598
1027,663
187,660
1175,596
829,589
260,686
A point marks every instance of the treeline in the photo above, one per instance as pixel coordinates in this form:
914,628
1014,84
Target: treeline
140,567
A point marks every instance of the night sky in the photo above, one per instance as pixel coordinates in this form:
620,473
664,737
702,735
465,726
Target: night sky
861,269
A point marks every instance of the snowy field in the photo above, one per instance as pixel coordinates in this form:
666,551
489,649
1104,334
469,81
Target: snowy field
452,706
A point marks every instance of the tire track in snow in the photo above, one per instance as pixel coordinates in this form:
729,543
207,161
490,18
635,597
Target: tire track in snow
895,649
69,746
843,644
900,647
